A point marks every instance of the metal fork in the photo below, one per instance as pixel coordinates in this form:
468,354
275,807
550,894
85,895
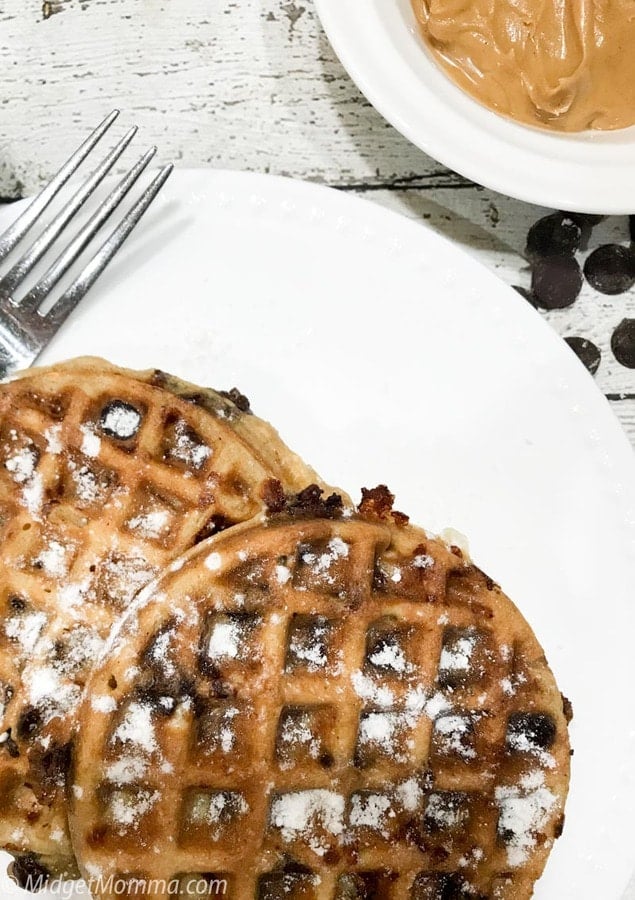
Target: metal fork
24,329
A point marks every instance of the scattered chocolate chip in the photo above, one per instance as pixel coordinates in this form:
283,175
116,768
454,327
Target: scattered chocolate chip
120,420
623,343
238,399
587,222
586,351
611,269
556,281
567,708
526,293
530,731
555,235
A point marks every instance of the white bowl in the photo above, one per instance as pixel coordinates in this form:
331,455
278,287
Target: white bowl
379,44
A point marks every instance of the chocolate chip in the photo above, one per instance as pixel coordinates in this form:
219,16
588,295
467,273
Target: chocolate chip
50,768
623,343
556,281
238,399
214,525
17,604
587,222
611,269
555,235
29,873
119,419
282,885
374,885
526,293
586,351
441,886
530,731
29,722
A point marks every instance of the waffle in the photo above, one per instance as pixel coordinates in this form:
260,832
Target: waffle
325,709
106,476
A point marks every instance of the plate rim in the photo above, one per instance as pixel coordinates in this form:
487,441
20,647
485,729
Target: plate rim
619,447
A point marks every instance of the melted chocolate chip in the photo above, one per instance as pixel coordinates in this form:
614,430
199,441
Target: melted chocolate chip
530,731
309,503
374,885
29,873
29,723
586,351
272,494
238,399
555,235
611,269
120,420
556,282
17,604
441,886
623,343
214,525
285,884
50,768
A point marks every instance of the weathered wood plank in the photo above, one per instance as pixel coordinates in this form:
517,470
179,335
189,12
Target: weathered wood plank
252,85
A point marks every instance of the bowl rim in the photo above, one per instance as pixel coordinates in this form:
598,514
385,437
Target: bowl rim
585,172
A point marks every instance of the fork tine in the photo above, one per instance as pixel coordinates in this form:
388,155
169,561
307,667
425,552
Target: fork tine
18,229
91,272
18,272
67,257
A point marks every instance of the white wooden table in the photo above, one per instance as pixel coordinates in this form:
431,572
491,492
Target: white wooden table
254,84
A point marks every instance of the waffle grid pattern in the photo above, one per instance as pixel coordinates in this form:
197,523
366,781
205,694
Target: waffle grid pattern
87,519
325,738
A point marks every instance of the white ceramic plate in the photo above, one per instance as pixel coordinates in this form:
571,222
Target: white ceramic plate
380,46
384,354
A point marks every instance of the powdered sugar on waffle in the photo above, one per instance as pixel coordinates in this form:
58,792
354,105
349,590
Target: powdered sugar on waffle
53,559
524,810
305,814
152,524
320,563
137,728
91,442
25,630
187,450
371,811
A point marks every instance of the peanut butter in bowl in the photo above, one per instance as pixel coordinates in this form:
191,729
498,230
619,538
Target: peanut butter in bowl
567,65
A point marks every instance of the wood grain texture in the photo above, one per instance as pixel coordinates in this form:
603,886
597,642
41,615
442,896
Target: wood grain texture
254,84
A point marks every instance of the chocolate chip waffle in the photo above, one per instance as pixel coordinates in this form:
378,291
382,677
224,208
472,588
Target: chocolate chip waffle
326,709
106,476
